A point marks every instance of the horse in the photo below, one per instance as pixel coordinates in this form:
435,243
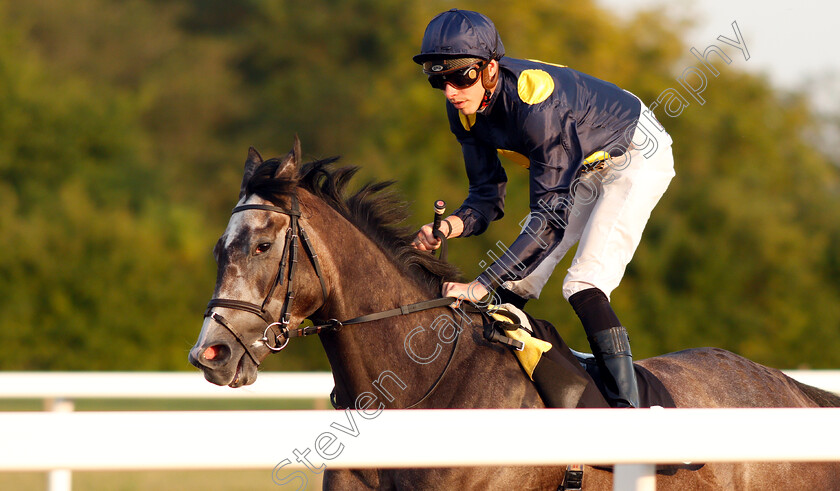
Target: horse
368,294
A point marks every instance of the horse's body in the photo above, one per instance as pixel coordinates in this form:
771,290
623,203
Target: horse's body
368,266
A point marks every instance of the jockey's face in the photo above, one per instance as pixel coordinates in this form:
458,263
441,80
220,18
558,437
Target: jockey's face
468,100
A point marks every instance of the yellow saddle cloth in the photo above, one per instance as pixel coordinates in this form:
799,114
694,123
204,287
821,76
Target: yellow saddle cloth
534,348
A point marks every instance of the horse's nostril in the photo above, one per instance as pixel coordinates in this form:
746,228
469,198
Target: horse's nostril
216,352
210,352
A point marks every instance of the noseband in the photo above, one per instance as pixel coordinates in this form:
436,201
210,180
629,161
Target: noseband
289,260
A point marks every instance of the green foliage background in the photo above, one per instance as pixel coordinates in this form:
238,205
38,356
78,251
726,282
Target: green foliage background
124,126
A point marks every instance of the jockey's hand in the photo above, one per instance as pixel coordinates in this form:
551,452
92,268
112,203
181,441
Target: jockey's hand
425,241
451,227
473,291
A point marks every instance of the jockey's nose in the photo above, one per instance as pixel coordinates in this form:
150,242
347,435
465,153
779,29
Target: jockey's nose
449,91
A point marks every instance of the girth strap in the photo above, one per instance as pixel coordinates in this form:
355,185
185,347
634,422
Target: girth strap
491,333
573,480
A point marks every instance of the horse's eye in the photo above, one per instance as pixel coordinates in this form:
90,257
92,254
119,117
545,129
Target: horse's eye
265,246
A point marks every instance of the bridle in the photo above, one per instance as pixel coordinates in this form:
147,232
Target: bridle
294,234
286,271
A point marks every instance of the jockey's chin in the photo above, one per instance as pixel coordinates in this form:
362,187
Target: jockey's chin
467,100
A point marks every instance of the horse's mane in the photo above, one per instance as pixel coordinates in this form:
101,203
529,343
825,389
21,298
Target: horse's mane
374,209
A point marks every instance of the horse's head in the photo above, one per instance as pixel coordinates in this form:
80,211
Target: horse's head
258,277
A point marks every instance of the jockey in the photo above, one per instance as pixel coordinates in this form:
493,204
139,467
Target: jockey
598,162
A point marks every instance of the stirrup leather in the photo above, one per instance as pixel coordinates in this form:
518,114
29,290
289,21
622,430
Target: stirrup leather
573,480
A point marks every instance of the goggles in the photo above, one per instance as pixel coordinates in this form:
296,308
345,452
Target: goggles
460,78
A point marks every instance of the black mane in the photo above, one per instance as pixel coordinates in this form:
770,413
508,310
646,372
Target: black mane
374,209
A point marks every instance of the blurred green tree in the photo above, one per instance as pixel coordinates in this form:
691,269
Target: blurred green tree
125,125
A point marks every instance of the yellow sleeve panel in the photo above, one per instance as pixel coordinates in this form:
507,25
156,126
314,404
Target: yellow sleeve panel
534,86
515,157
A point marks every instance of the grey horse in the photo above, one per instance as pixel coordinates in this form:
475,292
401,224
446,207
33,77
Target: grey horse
355,259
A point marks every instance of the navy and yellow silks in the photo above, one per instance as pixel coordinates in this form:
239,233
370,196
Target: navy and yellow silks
552,120
560,381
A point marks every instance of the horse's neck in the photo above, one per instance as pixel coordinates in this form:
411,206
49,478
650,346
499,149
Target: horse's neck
399,360
364,280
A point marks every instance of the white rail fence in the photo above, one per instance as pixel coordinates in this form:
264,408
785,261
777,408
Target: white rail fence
68,386
159,385
59,390
130,440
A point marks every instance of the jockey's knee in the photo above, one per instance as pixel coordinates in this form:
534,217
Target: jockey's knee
572,286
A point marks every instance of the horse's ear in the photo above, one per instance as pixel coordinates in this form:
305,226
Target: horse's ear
296,149
289,165
251,163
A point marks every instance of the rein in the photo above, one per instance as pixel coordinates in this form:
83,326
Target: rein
294,234
335,325
286,272
337,405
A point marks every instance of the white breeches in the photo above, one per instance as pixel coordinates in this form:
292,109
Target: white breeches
610,211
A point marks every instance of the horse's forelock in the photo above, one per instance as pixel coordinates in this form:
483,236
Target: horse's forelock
265,185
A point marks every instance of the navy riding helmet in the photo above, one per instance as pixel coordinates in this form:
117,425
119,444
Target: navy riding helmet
460,33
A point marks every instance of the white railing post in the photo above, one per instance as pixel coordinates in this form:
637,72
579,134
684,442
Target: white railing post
634,477
59,479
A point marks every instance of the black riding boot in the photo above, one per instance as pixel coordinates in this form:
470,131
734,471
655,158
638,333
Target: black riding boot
610,345
611,348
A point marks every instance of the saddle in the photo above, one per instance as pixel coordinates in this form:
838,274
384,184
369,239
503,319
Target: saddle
565,377
568,378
